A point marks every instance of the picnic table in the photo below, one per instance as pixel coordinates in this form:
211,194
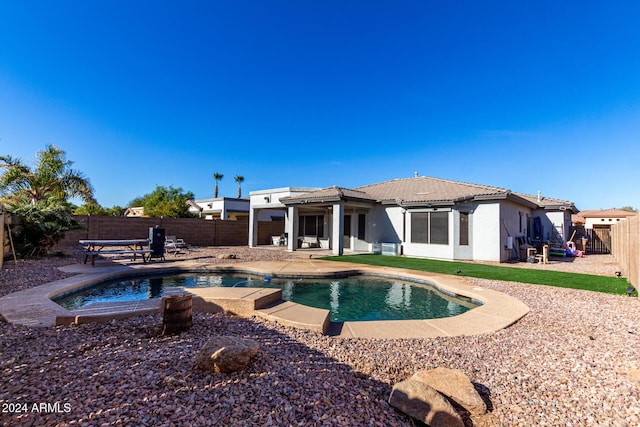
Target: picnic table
134,247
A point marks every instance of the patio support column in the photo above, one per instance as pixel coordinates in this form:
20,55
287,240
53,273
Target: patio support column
337,232
253,228
291,228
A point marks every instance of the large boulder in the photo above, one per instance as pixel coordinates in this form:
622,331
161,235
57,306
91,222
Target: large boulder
419,401
455,385
226,354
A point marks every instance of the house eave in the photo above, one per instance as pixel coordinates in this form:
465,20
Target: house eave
564,207
325,200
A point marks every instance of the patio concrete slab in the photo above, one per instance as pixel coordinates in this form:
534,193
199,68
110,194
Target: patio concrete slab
34,306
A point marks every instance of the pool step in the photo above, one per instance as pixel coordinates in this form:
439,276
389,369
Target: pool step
298,316
264,302
245,302
239,301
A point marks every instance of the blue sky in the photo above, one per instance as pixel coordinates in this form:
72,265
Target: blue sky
528,96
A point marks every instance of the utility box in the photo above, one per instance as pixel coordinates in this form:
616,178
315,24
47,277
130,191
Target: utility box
392,249
156,242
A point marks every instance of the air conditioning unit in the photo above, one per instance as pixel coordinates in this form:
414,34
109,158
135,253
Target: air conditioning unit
392,249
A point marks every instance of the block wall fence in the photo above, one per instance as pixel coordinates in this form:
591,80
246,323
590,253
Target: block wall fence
625,247
194,231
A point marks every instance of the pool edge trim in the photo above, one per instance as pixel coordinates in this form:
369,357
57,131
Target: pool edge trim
34,307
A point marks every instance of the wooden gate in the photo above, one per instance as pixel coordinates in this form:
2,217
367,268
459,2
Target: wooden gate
599,241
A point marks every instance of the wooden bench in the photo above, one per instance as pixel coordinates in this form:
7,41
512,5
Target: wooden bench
133,253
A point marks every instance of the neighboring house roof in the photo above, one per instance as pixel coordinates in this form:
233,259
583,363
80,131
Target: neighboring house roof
137,211
601,213
217,204
423,190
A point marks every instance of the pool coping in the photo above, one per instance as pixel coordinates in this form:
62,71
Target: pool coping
34,307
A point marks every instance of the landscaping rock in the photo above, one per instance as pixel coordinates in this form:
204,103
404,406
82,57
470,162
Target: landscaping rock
424,403
455,385
226,256
226,354
486,420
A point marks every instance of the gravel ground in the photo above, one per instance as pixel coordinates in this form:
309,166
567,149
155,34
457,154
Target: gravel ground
574,360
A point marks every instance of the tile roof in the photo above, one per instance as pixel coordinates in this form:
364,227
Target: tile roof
423,190
329,194
428,189
548,202
606,213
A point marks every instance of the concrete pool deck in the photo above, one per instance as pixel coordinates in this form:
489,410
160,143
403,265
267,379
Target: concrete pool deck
34,307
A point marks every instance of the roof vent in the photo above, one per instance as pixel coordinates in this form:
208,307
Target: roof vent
539,196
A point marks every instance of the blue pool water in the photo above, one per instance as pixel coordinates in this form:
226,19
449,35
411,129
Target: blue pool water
355,298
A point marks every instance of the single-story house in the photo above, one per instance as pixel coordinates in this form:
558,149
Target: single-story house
228,208
419,217
135,212
600,218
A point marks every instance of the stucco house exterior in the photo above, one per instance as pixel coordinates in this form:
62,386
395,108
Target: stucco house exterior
228,208
420,217
600,218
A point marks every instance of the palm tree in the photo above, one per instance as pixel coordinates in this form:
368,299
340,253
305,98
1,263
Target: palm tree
239,179
52,179
216,177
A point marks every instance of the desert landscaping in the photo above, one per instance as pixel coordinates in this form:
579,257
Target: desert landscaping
573,360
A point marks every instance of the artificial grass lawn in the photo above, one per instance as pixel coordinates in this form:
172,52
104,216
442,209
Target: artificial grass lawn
588,282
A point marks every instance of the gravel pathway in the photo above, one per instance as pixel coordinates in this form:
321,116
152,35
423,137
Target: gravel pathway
574,360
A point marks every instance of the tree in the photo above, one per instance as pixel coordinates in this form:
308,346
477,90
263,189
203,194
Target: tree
239,179
41,226
629,209
216,177
53,178
39,198
96,209
165,202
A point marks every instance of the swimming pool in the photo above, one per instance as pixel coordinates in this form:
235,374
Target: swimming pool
355,298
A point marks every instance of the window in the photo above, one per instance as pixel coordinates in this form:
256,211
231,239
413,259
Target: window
420,227
311,225
464,228
430,227
362,222
439,228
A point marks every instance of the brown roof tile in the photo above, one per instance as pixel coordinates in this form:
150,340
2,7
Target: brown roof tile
422,190
547,201
329,194
428,189
606,213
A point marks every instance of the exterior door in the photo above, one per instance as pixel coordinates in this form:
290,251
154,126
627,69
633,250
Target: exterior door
361,234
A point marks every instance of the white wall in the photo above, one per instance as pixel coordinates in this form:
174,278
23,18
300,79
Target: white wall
551,219
385,224
590,222
428,250
271,198
514,224
488,241
485,240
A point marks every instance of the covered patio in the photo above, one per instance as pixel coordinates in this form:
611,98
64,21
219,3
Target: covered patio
332,219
